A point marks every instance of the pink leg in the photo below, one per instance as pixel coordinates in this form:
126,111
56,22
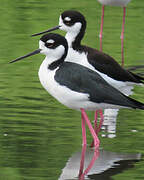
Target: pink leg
95,126
97,130
96,140
95,121
101,28
122,36
101,35
101,121
82,160
83,131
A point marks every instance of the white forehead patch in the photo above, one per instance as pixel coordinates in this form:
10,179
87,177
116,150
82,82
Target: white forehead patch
41,44
50,41
67,19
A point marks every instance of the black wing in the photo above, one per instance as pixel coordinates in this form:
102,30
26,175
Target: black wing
81,79
107,65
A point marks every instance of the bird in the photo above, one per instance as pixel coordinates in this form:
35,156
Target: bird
74,85
74,23
123,4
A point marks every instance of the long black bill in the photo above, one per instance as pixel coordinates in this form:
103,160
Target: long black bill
27,55
49,30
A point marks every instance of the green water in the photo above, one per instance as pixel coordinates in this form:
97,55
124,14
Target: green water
37,134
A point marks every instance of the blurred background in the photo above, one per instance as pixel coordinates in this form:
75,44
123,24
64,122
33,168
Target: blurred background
37,134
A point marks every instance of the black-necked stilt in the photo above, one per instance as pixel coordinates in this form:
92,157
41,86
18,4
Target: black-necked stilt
74,85
123,4
74,24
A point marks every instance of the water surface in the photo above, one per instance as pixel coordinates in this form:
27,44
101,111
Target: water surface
38,135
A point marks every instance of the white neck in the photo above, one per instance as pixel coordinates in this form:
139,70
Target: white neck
48,60
72,32
52,55
70,37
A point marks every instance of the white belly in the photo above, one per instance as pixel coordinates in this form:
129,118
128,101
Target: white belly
114,2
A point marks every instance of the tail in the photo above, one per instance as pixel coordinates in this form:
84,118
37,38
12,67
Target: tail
136,104
139,78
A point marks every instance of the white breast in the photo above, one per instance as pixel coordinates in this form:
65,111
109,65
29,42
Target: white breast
64,95
114,2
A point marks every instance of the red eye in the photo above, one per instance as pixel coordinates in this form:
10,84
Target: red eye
67,22
49,44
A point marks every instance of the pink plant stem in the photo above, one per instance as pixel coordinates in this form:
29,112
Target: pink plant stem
96,140
122,36
82,160
101,28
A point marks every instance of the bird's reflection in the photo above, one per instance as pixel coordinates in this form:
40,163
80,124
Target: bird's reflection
110,116
101,164
83,172
109,124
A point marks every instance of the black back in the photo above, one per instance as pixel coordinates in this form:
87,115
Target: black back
107,65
